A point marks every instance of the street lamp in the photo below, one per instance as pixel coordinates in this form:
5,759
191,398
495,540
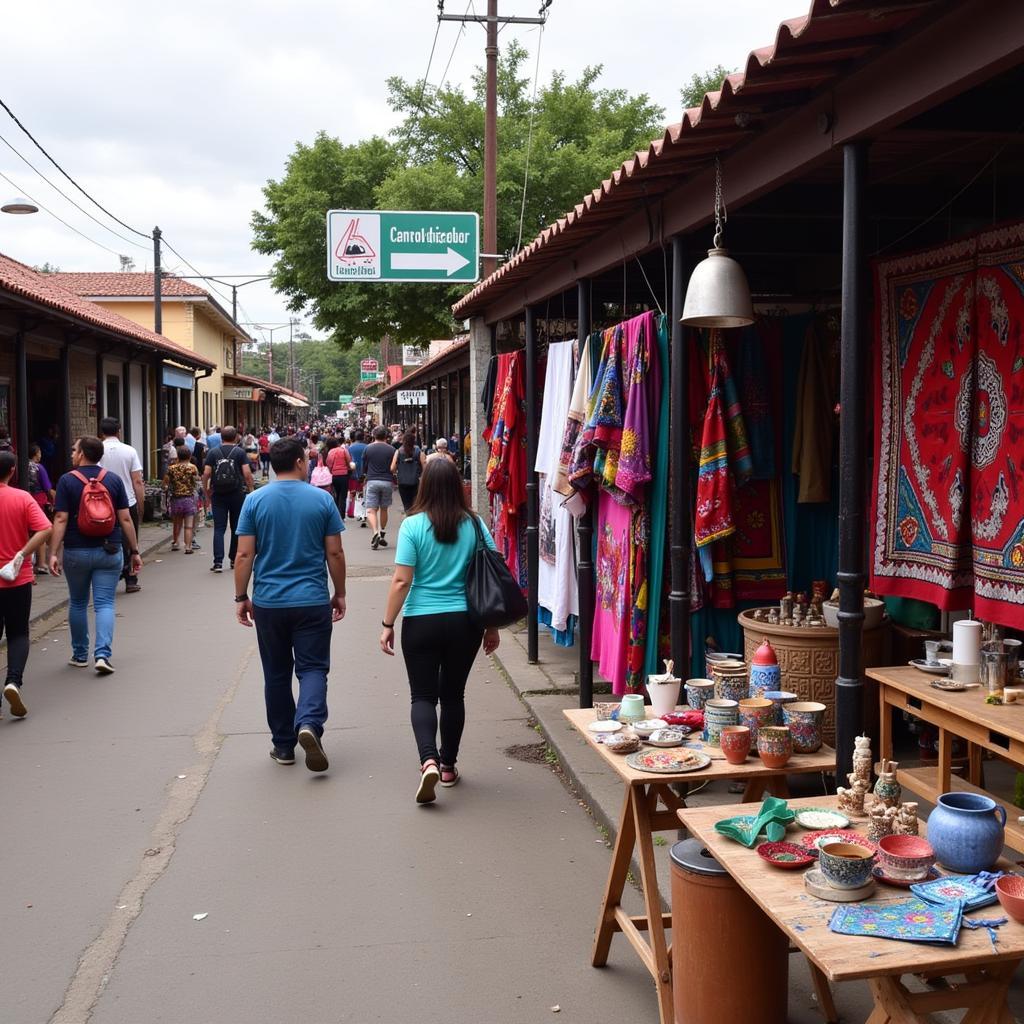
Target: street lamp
19,205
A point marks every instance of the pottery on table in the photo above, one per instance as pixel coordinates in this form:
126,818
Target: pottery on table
663,689
905,857
774,745
735,743
966,831
647,726
887,789
755,712
717,715
874,611
765,673
622,743
804,718
632,709
731,680
1010,890
712,658
699,692
779,698
605,709
845,865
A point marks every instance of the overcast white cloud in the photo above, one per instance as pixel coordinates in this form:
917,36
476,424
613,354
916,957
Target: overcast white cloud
177,116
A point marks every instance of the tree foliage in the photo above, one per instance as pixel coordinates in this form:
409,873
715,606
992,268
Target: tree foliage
692,94
434,160
337,368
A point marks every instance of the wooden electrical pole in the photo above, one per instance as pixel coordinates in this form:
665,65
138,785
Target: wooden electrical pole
491,21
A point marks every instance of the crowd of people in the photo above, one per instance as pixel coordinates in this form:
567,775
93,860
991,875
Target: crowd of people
285,539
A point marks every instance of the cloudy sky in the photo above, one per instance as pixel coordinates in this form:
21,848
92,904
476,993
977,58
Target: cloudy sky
177,114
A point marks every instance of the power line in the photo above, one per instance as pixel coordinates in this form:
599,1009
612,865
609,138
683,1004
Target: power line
529,136
430,60
458,36
17,188
96,220
38,145
192,266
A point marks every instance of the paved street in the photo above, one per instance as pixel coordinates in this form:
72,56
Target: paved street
132,803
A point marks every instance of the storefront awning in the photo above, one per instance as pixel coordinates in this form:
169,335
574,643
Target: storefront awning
288,400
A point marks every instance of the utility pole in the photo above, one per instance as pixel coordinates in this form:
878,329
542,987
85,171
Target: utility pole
158,313
491,21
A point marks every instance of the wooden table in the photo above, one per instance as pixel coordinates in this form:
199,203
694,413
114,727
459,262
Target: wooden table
882,962
998,728
640,819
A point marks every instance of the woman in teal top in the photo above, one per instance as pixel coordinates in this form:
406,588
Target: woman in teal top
439,642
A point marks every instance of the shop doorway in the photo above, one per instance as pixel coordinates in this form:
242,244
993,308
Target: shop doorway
45,415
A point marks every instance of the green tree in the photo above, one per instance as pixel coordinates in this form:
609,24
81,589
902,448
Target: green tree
434,160
692,94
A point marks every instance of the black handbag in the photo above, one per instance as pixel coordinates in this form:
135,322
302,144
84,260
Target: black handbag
493,597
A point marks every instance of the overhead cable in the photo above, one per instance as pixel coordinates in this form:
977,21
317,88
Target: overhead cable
529,140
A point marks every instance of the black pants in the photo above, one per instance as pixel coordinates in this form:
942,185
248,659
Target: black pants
265,462
340,485
407,492
15,605
127,548
439,651
226,508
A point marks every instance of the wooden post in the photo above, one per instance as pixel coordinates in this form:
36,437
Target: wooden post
585,536
852,459
679,461
532,492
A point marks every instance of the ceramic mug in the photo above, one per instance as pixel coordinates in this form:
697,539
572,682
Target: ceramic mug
755,712
632,708
804,718
735,743
699,692
845,865
774,745
731,685
718,714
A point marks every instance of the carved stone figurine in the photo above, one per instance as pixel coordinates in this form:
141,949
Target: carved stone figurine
851,801
906,820
882,821
887,789
862,759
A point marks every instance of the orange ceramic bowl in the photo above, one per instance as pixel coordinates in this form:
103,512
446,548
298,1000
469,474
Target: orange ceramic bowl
1010,890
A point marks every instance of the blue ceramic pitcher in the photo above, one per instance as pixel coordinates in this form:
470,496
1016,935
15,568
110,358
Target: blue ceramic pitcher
966,831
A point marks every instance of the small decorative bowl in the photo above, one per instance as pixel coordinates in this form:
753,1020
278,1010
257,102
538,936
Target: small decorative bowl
648,725
905,857
623,743
1010,890
787,856
606,709
845,865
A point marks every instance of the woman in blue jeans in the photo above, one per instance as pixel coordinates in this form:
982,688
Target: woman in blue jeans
439,641
91,563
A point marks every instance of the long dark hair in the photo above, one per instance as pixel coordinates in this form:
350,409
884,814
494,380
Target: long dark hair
442,497
409,442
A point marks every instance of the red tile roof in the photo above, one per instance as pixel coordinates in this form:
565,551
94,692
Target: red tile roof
129,285
423,370
809,53
21,280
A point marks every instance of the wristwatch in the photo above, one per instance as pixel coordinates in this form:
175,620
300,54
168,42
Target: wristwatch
239,598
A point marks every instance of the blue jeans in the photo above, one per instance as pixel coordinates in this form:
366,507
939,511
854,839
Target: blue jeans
296,639
225,507
86,568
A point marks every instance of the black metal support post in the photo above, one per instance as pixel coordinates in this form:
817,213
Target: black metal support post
679,460
21,414
532,492
852,459
585,536
101,392
158,313
64,441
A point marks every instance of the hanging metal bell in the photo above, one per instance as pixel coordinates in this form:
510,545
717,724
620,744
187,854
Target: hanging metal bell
718,294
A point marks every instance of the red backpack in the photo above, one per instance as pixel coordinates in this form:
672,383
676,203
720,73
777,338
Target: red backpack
96,515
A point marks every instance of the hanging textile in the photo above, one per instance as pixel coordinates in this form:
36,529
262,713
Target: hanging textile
754,377
577,413
611,607
815,419
556,584
949,522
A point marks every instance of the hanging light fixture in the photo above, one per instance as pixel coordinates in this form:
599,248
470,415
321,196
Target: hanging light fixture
718,294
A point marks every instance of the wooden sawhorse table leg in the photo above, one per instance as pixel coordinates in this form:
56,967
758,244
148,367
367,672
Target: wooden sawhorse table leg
983,996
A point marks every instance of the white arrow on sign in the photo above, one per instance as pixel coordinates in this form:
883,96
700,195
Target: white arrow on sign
449,261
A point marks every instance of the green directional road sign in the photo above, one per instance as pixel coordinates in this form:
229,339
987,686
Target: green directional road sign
398,245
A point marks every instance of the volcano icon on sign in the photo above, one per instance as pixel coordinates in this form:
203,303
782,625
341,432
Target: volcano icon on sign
354,248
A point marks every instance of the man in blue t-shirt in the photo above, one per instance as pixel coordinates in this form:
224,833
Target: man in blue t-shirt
286,533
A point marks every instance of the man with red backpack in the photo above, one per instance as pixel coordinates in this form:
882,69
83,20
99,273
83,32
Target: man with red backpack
91,516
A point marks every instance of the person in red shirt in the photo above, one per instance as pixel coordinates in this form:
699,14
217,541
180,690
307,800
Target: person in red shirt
24,529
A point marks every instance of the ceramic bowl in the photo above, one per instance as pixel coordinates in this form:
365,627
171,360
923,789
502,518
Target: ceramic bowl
804,718
713,658
845,865
774,745
874,610
606,709
735,743
785,855
755,712
1010,890
699,692
623,743
648,725
905,857
778,699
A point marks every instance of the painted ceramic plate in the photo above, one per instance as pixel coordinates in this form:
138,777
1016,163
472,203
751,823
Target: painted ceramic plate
903,883
937,669
813,840
787,856
649,725
605,726
949,686
821,818
668,762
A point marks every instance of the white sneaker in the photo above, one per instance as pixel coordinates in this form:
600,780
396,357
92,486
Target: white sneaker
103,667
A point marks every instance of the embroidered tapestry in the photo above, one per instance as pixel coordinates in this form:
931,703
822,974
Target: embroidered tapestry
949,508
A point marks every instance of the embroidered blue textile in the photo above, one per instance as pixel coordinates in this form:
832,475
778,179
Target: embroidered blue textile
910,921
971,891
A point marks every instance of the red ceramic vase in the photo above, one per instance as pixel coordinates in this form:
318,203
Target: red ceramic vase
735,743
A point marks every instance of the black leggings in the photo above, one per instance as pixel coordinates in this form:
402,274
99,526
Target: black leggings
439,651
15,605
340,485
407,492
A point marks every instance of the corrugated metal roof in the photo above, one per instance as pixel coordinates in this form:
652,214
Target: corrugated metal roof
809,53
43,289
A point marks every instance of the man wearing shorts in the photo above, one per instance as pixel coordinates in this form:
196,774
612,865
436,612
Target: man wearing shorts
378,486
